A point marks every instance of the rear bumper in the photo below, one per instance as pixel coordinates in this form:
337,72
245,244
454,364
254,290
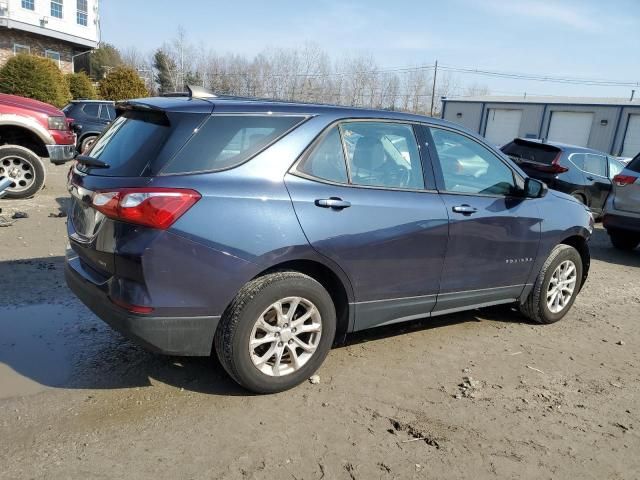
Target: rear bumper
621,222
187,336
59,154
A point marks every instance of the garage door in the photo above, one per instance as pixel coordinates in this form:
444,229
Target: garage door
631,145
502,125
572,128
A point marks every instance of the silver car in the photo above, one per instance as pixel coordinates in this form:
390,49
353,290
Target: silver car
622,210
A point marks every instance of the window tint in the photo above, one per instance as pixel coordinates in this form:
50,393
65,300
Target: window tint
382,154
326,160
591,163
91,109
104,112
469,167
142,142
225,141
522,151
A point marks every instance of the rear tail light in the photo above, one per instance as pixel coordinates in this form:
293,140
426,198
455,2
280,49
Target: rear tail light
555,166
622,180
152,207
139,309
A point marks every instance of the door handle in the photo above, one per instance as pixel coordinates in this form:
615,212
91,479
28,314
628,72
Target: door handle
333,202
590,178
465,209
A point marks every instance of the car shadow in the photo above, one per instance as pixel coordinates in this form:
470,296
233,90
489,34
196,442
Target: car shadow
602,249
48,338
54,341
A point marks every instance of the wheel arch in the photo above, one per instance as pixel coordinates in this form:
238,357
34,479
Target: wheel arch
23,137
580,244
338,289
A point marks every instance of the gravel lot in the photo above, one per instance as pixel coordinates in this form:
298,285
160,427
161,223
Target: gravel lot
482,394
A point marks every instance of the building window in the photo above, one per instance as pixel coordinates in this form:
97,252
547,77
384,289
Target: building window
56,8
18,49
29,4
53,55
83,9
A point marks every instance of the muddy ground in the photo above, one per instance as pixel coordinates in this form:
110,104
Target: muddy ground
79,401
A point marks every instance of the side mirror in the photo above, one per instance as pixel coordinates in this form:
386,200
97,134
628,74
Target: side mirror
4,184
76,127
534,188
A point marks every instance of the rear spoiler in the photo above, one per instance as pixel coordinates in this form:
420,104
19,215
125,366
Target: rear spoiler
536,144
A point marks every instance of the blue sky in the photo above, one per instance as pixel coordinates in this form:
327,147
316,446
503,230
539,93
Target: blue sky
589,38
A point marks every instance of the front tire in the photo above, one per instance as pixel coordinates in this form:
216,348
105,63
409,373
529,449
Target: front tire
556,287
24,168
277,332
622,240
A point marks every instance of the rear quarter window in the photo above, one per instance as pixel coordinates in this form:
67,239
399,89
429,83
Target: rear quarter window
226,141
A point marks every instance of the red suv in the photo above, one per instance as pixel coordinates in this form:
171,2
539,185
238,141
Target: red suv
31,130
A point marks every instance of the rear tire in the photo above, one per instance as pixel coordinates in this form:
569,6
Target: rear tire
540,305
25,167
254,326
623,240
87,142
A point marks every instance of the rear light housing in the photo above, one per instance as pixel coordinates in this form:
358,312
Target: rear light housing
623,180
138,309
555,166
152,207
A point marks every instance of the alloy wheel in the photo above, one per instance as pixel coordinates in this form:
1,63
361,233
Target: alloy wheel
285,336
561,286
20,171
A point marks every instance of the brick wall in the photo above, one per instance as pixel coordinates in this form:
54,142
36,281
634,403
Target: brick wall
37,44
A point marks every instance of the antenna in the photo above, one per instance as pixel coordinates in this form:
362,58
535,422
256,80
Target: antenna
200,92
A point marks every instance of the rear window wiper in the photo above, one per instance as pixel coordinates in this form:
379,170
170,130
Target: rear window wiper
91,162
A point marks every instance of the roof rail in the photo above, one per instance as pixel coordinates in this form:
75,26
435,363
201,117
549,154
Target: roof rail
200,92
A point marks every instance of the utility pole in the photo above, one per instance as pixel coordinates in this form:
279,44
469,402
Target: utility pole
433,88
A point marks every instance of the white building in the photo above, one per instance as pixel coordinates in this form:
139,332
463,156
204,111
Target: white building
58,29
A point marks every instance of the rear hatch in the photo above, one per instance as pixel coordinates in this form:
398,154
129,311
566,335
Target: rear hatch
538,160
626,187
139,143
137,178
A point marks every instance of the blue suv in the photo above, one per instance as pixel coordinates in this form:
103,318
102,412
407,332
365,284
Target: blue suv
269,230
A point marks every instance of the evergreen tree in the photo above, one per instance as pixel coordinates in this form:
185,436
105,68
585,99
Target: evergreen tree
163,66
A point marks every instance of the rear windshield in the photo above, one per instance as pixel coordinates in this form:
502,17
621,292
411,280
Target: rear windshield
520,150
634,165
142,143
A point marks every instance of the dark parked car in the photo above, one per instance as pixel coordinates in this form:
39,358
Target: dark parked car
583,173
91,118
268,230
622,212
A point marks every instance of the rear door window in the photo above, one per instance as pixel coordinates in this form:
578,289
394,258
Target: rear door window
225,141
104,112
91,109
